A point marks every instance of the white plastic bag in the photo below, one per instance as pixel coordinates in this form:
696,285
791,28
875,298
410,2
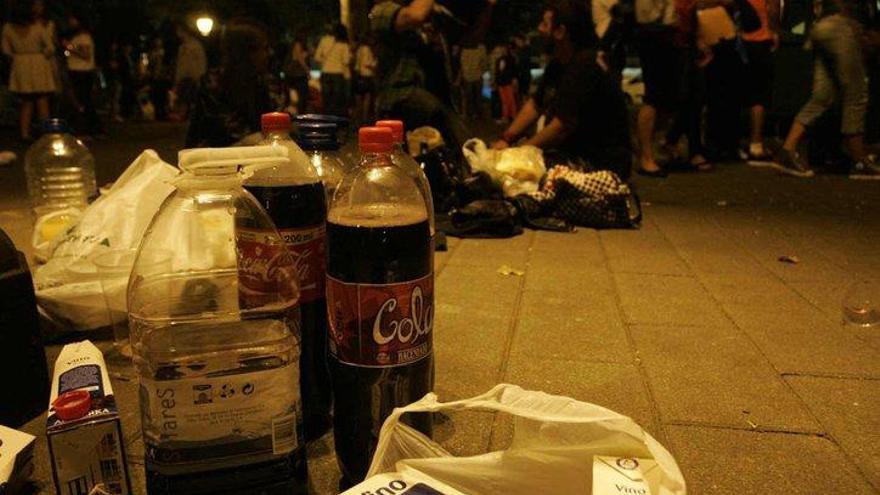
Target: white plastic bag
517,170
554,441
67,286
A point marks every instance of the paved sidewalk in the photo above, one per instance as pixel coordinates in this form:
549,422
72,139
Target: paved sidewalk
737,362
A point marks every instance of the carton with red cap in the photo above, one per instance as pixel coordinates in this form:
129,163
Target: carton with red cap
83,428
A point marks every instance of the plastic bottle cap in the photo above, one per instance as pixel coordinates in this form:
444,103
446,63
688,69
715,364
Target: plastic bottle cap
73,404
396,127
275,121
55,125
340,122
375,139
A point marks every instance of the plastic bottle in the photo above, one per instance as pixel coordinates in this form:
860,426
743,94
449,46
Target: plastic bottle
406,162
60,170
348,154
292,193
380,289
318,140
216,354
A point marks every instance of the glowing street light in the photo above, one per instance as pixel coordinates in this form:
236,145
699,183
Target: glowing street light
205,25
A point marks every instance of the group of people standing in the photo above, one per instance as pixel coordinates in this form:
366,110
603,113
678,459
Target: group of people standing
717,56
56,71
44,64
348,84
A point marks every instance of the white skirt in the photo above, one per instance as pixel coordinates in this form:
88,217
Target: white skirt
31,73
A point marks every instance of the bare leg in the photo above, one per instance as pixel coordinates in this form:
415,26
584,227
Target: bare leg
43,108
25,117
795,134
646,121
757,121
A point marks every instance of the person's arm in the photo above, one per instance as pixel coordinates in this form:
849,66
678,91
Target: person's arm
553,133
413,15
48,41
321,51
527,116
7,43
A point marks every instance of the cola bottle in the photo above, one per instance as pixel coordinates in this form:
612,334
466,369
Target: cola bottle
408,164
380,289
292,193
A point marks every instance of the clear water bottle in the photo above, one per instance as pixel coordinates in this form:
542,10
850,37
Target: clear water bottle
407,163
216,339
60,170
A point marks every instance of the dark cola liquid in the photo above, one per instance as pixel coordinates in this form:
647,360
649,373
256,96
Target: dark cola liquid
365,396
302,208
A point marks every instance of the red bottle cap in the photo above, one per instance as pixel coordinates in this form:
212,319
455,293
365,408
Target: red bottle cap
73,404
275,122
396,127
375,139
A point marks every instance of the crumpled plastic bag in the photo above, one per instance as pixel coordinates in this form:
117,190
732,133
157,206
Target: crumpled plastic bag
67,286
554,440
517,170
427,136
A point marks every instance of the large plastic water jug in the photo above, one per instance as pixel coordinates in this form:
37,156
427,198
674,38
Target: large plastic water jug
60,170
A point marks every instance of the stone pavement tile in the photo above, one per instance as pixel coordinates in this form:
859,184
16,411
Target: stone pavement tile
658,300
703,245
767,244
476,290
827,295
716,376
468,353
494,252
323,470
641,251
581,246
464,433
572,275
618,387
744,462
799,339
557,325
848,409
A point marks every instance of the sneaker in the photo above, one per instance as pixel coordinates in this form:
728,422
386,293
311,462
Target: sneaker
758,156
791,163
865,170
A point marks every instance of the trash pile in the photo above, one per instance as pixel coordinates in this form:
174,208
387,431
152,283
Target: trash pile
277,293
500,192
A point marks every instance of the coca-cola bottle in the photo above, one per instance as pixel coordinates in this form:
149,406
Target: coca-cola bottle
292,193
408,164
380,288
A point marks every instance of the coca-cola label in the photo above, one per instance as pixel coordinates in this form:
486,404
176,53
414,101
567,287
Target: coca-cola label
265,269
381,325
309,251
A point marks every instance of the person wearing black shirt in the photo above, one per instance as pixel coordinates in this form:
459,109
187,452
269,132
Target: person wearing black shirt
585,111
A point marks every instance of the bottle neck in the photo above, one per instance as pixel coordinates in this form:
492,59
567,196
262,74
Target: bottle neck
278,135
371,159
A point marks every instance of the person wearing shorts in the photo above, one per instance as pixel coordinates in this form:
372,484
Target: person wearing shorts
839,76
662,56
760,46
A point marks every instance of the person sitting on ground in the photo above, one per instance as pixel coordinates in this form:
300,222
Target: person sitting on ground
232,98
585,111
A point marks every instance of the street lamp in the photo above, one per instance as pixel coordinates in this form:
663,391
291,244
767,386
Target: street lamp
205,25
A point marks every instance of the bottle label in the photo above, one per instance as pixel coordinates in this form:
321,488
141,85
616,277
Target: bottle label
266,271
380,325
220,418
308,247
